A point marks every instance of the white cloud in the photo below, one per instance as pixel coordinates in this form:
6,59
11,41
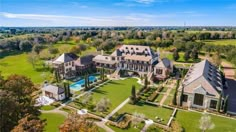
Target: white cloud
131,19
77,4
145,1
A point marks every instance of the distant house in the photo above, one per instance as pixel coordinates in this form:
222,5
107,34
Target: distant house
202,87
54,92
163,69
69,65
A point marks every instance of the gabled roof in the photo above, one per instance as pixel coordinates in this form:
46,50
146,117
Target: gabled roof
65,57
53,89
204,74
85,60
165,63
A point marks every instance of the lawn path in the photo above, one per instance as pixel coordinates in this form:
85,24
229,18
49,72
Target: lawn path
117,109
165,96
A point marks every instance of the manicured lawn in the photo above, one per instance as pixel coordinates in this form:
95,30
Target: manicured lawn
48,107
159,97
18,64
190,121
130,129
168,100
221,42
117,91
149,111
53,121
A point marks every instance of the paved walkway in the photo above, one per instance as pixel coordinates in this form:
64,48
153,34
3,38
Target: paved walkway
102,125
117,109
170,87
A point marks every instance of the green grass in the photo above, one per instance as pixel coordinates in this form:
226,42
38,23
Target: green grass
181,57
221,42
117,91
149,111
18,64
159,97
53,121
190,121
132,41
130,129
47,107
168,100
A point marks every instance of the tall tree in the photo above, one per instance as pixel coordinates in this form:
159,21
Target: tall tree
176,55
32,59
216,59
146,81
133,95
187,55
219,103
16,101
226,103
194,54
206,123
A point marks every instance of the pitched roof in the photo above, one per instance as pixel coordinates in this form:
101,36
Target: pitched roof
103,59
53,89
65,57
85,60
204,74
164,63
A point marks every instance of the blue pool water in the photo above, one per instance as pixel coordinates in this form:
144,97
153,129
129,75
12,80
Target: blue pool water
79,84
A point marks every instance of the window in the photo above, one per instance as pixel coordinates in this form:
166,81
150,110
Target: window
213,104
159,71
72,63
198,99
185,98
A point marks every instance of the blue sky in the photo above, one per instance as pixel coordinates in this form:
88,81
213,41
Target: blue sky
117,12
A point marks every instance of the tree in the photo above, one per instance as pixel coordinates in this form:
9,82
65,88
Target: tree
16,101
186,55
216,59
78,123
87,98
137,118
133,95
37,48
194,54
103,105
226,103
30,123
67,89
176,55
206,123
102,74
75,50
44,54
146,81
25,45
32,58
86,82
219,103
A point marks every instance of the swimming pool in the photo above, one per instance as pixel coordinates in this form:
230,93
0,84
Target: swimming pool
80,84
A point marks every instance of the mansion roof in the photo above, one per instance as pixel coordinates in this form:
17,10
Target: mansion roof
65,57
53,89
203,74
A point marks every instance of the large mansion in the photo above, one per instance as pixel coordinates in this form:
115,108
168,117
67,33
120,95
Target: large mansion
202,86
140,59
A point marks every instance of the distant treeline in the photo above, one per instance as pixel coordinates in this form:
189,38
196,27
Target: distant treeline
102,39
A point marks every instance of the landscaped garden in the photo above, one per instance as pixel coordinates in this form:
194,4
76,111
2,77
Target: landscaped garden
150,111
53,121
116,91
190,121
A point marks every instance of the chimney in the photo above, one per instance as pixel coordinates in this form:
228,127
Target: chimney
101,52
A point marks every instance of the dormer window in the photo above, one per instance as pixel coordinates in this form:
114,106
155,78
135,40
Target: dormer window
136,48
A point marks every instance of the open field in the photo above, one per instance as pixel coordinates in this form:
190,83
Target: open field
190,122
116,91
53,121
18,64
221,42
149,111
